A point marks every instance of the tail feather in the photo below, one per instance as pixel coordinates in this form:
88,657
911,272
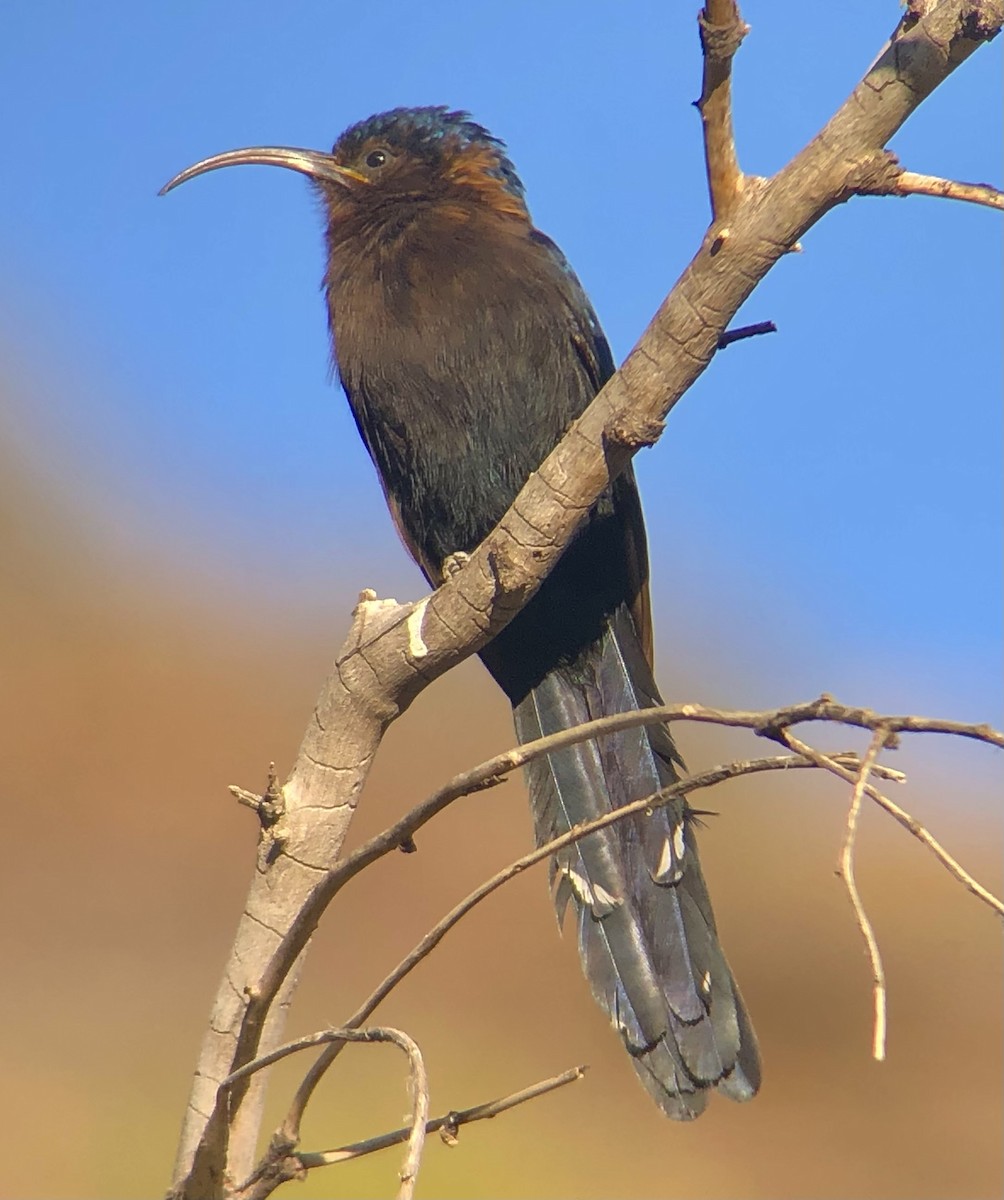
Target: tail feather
646,932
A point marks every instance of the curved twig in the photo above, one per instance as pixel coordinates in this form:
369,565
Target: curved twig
846,871
907,820
263,1180
290,1128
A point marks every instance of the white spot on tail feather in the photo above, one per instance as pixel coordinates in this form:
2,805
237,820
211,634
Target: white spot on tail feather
679,844
416,646
604,901
665,866
600,901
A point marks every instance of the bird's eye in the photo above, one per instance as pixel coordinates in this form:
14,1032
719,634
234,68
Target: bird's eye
376,158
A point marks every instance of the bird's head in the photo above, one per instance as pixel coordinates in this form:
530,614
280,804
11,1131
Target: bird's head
405,155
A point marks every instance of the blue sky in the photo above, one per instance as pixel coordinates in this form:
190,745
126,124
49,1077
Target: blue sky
825,508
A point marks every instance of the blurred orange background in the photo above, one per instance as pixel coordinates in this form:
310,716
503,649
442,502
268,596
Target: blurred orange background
134,693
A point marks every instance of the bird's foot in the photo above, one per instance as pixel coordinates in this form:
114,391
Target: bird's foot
453,563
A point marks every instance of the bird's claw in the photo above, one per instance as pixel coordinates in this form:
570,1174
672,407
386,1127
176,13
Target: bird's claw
454,562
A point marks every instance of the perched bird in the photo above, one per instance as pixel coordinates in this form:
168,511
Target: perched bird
466,347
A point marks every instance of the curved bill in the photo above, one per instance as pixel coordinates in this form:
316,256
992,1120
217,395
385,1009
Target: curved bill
315,163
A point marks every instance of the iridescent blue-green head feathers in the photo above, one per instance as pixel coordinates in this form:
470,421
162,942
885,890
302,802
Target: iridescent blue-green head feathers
431,151
436,135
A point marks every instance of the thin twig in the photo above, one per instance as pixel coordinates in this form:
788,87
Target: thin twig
419,1085
906,819
493,770
769,723
722,31
846,871
745,331
656,800
775,727
772,723
450,1122
290,1127
912,184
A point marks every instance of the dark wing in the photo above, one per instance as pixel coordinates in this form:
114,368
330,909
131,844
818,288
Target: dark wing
593,351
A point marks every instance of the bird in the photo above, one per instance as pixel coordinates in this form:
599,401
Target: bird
466,346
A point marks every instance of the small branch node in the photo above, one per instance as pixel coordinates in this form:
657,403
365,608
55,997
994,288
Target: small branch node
373,616
633,431
745,331
877,174
718,240
506,571
248,799
270,806
273,842
720,42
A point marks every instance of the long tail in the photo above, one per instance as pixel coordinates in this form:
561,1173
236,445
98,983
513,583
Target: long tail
647,935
